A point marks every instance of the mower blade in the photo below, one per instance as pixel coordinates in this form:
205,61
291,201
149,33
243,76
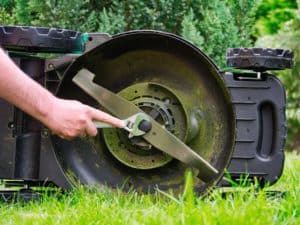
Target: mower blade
162,139
158,136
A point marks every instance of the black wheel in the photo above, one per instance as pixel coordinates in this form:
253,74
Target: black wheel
40,39
259,59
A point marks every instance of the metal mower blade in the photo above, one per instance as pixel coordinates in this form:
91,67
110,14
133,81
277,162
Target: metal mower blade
158,136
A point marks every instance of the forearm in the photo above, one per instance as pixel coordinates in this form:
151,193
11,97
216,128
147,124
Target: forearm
20,90
67,118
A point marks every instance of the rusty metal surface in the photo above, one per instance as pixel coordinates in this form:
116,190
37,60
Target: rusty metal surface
146,56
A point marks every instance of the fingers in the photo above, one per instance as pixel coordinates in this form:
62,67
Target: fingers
98,115
91,129
73,119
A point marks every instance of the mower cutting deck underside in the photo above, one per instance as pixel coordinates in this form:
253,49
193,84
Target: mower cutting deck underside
202,118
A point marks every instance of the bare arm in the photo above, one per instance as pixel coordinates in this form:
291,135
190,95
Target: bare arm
66,118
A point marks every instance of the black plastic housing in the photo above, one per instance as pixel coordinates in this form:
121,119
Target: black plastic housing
261,128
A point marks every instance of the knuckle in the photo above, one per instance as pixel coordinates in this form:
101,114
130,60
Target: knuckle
70,133
82,120
88,111
73,133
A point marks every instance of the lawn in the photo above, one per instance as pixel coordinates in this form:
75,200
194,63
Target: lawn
83,206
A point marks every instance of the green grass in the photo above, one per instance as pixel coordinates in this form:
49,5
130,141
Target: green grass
83,206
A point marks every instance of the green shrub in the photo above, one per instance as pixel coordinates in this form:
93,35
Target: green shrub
211,25
272,14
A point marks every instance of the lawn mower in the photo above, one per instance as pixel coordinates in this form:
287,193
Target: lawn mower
183,112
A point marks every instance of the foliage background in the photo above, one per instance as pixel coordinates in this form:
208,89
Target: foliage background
212,25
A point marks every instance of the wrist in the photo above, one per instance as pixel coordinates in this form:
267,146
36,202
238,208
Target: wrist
45,108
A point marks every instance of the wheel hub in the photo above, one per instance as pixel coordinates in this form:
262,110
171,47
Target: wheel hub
162,105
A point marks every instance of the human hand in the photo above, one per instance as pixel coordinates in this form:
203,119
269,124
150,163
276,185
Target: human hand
69,119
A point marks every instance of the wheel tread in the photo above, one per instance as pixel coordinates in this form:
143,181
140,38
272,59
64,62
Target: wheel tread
40,39
259,59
